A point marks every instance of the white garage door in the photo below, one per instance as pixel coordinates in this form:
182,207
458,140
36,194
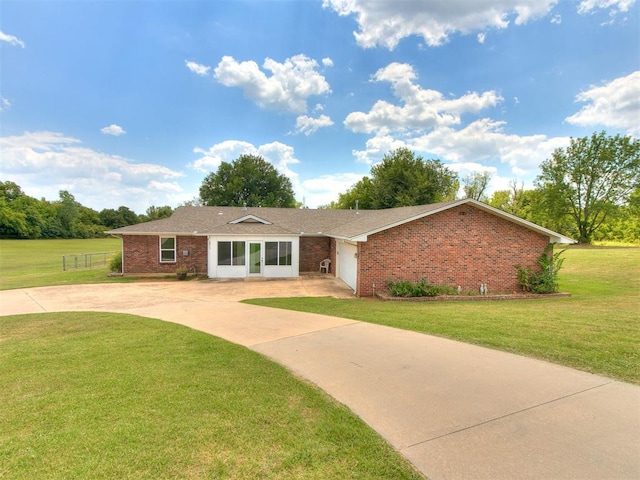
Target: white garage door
347,263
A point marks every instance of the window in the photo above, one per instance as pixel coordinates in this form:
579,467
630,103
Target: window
277,253
167,249
230,253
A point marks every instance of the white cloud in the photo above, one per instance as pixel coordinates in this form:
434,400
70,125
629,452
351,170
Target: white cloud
468,168
4,104
97,180
114,130
327,62
164,186
326,188
556,19
11,40
614,6
421,109
482,37
281,156
226,151
484,140
309,125
377,147
481,144
197,68
290,85
434,126
615,105
386,22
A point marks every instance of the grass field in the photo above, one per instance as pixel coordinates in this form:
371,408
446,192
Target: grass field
597,329
36,263
97,395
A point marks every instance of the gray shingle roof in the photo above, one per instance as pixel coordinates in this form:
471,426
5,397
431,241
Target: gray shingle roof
347,224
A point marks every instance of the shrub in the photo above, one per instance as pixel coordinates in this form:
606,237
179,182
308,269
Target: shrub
115,263
422,288
546,279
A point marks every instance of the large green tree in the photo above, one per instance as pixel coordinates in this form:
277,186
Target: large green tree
516,200
156,213
74,220
475,186
20,215
589,180
624,224
121,217
249,180
402,179
358,196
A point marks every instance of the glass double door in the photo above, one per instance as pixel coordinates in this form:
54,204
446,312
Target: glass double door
255,258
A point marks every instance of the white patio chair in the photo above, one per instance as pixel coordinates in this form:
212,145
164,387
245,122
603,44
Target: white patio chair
324,265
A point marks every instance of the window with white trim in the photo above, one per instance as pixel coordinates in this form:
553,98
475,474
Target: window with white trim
167,249
277,253
231,253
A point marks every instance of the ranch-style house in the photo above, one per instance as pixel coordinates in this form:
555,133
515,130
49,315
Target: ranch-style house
462,243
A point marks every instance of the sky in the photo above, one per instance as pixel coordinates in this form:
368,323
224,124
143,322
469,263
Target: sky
134,103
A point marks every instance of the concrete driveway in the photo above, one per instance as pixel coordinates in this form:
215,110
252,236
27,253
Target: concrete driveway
456,411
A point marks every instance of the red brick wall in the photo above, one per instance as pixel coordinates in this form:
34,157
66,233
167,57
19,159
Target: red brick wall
312,251
142,254
461,246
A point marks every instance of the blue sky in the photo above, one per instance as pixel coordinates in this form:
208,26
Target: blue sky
134,102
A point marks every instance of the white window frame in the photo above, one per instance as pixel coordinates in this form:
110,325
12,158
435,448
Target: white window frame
174,249
234,260
279,254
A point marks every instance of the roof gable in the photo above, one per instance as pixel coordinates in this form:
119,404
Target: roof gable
393,217
250,219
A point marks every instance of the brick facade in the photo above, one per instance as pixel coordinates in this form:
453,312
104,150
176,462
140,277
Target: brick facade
142,254
313,250
461,246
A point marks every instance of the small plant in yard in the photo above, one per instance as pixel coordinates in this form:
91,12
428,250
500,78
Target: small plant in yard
546,279
115,264
419,289
181,272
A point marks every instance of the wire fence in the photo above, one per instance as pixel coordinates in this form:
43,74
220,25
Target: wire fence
82,261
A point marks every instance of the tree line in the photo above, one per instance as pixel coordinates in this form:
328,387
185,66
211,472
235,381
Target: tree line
589,190
25,217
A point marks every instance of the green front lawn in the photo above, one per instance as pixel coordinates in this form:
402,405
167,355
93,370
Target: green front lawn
37,263
96,395
597,329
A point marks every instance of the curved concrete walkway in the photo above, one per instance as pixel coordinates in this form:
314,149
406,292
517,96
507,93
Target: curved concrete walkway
456,411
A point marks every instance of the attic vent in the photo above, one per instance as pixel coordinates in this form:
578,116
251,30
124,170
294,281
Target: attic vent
250,219
462,213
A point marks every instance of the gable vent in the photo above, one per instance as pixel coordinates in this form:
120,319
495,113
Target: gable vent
250,219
